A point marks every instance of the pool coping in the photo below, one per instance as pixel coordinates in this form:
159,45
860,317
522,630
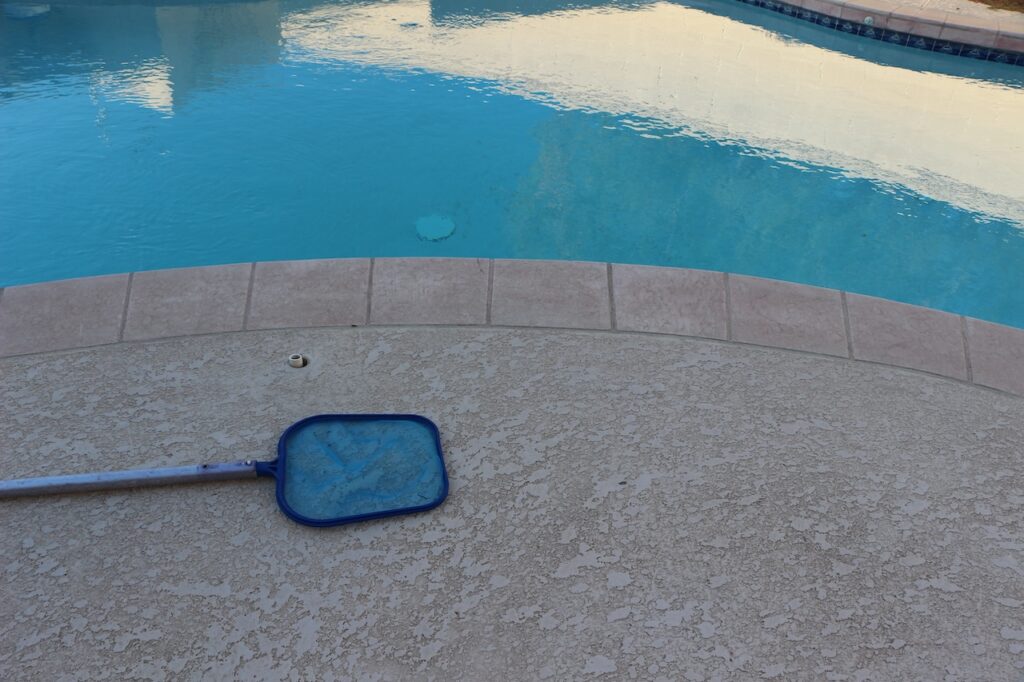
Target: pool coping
992,38
158,304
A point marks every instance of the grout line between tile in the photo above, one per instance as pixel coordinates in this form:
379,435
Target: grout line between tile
490,289
611,298
248,297
369,292
124,308
967,349
846,325
728,306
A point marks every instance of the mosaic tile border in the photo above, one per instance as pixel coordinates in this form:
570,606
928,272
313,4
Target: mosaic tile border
95,311
995,40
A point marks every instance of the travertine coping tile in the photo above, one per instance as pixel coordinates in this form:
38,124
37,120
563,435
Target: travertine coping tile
309,293
926,22
429,291
71,313
669,300
858,11
786,315
1007,40
1011,35
551,294
187,301
906,335
90,311
997,355
918,22
969,30
831,9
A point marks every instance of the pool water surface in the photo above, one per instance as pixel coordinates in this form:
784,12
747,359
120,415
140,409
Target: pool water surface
705,135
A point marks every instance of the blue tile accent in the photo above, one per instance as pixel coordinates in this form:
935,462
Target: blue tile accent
895,37
891,37
920,42
1001,57
871,32
947,47
974,52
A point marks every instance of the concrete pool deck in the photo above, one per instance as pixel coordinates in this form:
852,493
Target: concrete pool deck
623,506
627,500
968,8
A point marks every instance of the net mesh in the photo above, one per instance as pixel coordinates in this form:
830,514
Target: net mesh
339,468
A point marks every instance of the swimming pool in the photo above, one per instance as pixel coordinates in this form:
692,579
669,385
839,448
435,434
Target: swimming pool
700,134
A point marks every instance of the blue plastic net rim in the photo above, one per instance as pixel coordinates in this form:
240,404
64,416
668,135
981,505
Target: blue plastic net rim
276,469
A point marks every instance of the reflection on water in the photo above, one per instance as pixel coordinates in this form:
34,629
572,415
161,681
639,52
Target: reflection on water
181,133
153,54
24,10
463,13
692,71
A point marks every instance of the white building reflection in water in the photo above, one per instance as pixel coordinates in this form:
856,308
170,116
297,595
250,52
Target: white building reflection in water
938,135
689,71
148,53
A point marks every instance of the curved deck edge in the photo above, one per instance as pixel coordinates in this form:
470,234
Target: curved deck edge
94,311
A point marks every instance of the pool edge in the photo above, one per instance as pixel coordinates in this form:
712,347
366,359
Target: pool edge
97,311
990,38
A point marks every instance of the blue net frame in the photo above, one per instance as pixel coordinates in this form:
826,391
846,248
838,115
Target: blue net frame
334,469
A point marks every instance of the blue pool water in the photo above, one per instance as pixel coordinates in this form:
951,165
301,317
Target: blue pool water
141,136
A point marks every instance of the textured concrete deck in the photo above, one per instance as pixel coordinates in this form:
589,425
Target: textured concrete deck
964,8
626,505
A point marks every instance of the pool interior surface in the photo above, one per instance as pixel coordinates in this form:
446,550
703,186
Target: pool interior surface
704,134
